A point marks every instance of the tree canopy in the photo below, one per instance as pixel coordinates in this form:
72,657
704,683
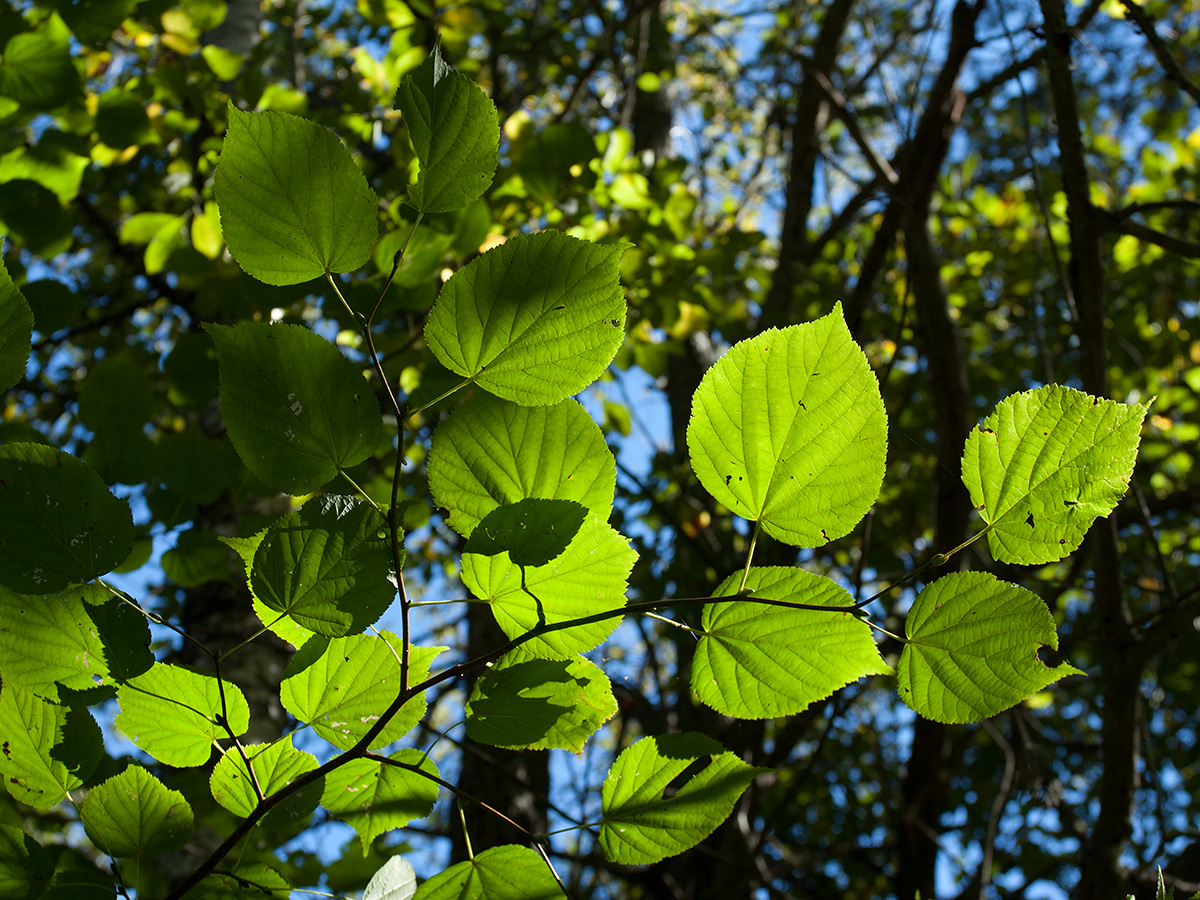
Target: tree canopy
668,449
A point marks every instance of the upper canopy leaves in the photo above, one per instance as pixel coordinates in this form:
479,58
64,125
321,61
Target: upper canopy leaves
972,648
788,429
454,131
60,525
293,203
1045,465
296,409
534,320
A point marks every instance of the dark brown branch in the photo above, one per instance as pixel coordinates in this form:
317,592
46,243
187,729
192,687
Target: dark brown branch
1138,15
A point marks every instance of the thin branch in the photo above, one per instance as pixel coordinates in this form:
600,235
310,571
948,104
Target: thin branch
1162,52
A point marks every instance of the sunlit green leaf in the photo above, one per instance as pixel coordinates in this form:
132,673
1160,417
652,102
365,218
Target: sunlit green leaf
534,320
491,452
296,409
135,814
454,131
972,648
755,661
644,821
1045,465
293,203
36,68
508,872
174,714
373,797
275,766
16,329
46,749
788,429
60,526
523,701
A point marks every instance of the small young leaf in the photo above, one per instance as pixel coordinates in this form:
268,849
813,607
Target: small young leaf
531,532
534,320
525,702
454,131
373,797
508,872
756,661
1045,465
588,577
788,429
275,767
135,814
174,714
296,409
972,648
340,687
25,866
293,203
643,821
395,880
491,452
46,749
16,329
328,565
60,526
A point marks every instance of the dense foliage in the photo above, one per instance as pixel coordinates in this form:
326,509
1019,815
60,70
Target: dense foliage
294,327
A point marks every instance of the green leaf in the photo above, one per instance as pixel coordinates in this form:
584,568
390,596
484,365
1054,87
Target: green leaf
508,872
757,662
296,409
16,330
1045,465
490,453
395,880
455,132
64,640
116,394
94,21
46,750
252,881
972,648
588,577
198,557
77,878
25,866
135,814
644,821
175,714
788,429
525,702
293,203
531,532
275,767
55,306
341,686
282,626
36,68
534,320
328,565
60,526
547,161
373,797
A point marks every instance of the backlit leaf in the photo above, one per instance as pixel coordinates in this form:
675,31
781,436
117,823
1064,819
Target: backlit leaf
972,648
1045,465
534,320
395,880
755,661
296,409
45,749
788,429
275,767
25,866
16,329
507,872
373,797
135,814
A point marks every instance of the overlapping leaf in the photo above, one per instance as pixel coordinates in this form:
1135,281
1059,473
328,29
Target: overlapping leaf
293,203
523,701
296,409
280,624
275,766
588,577
455,132
16,329
341,686
972,648
788,429
755,661
373,797
48,749
248,881
534,320
1045,465
327,565
174,714
60,526
135,814
491,452
643,821
507,872
25,866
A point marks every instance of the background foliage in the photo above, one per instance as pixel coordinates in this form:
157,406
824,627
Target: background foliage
1000,194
